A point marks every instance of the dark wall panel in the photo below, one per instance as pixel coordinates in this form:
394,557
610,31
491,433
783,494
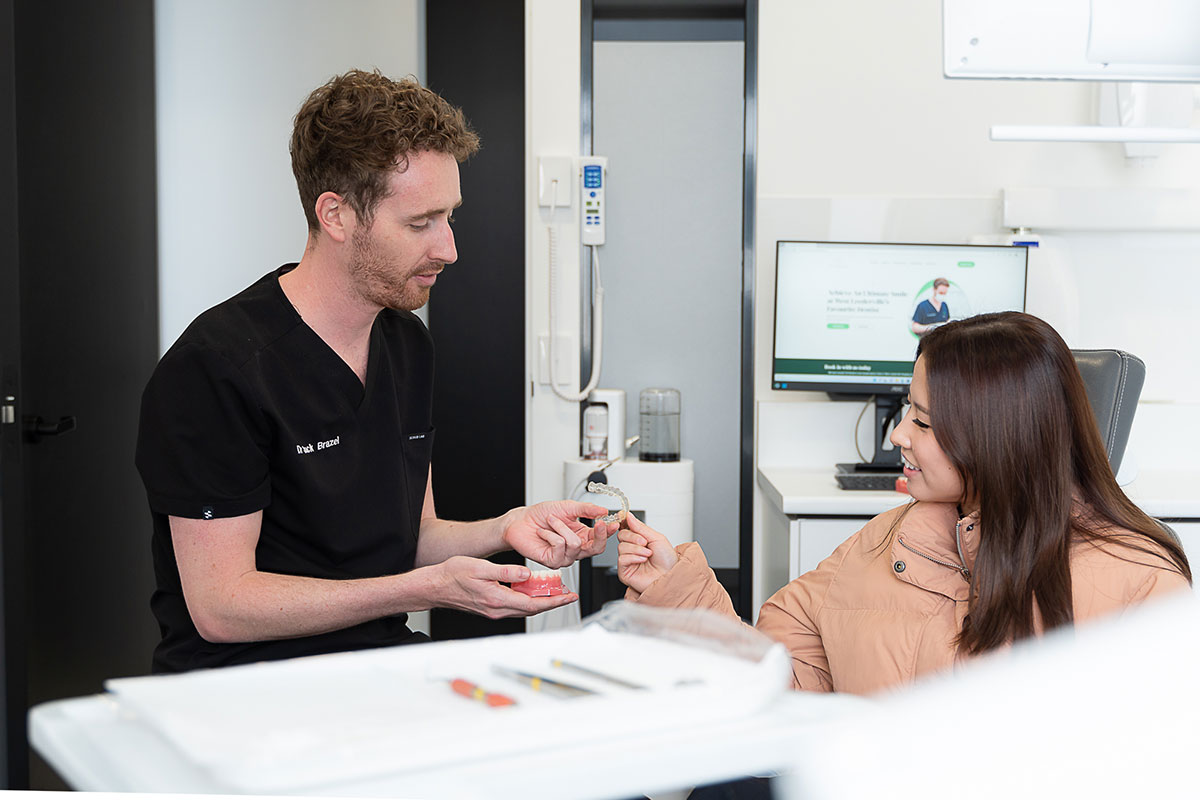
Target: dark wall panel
12,558
89,333
476,60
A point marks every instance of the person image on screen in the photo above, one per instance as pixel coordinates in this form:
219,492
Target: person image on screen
1016,525
933,311
285,439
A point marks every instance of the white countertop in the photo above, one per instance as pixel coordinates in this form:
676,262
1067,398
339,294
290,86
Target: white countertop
806,491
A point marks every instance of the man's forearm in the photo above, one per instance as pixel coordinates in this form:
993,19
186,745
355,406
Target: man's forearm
440,539
261,606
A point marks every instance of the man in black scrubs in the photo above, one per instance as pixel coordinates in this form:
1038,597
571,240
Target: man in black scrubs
286,437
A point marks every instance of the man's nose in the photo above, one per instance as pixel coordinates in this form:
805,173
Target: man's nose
445,251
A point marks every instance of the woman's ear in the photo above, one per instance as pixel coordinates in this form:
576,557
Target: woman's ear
335,217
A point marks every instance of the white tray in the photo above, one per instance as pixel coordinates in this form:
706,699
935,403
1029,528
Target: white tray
282,726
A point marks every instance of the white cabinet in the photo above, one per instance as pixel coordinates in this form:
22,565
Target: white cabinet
812,540
804,517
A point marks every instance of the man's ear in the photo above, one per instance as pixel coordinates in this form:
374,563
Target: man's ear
335,216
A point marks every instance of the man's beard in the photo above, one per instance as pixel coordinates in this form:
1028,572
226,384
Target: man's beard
379,282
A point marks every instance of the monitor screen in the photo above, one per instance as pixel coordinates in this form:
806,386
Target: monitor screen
849,315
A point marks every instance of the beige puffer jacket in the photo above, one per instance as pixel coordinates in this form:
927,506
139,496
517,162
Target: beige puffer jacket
874,614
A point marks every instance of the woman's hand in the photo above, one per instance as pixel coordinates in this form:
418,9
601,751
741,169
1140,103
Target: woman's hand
643,555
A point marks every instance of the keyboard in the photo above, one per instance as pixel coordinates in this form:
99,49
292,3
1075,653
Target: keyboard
871,482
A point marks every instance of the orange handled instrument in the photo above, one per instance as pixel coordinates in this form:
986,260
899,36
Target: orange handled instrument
468,689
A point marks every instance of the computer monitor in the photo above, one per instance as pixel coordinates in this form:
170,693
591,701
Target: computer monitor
849,315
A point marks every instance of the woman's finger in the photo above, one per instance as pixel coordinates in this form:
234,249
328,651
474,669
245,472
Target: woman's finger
628,549
624,535
629,560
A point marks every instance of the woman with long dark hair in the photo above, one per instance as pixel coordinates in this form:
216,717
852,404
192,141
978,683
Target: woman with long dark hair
1017,525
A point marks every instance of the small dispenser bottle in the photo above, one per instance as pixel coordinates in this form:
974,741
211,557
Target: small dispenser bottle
604,425
595,432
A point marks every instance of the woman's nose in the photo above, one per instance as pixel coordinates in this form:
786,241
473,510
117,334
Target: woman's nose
900,437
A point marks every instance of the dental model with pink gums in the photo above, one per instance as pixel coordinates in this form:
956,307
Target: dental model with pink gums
542,583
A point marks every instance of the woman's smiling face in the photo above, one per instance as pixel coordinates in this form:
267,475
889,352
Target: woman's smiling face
931,475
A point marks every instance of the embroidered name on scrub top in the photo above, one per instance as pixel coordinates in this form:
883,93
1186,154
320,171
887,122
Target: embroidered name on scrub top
310,448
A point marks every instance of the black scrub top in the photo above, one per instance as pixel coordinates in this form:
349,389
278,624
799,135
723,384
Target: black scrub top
251,410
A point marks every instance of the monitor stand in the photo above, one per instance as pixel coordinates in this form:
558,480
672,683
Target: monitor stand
886,460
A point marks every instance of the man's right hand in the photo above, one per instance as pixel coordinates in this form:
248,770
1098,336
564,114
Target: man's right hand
474,585
643,555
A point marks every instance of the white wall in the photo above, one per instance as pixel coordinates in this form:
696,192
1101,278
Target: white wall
861,136
852,101
230,76
552,127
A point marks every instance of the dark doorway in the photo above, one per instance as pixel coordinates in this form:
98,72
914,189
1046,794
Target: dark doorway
77,129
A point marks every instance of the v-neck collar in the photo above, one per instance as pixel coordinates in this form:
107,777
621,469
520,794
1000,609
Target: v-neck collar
355,391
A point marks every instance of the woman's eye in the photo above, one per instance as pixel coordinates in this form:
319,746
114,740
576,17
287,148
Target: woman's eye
906,408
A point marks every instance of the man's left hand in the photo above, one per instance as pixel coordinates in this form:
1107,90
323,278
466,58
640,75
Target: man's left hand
552,535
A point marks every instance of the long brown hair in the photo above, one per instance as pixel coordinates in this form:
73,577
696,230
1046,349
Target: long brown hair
1011,412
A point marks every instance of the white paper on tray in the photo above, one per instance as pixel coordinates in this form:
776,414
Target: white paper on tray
292,725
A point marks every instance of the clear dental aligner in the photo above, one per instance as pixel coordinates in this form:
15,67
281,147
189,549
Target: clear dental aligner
612,491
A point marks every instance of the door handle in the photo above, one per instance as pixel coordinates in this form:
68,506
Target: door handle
36,428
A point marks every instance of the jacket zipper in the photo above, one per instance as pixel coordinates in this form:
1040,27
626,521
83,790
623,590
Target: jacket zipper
966,573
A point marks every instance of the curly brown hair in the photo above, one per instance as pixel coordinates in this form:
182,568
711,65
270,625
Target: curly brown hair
358,128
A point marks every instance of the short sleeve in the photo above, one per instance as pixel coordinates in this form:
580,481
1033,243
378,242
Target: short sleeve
203,440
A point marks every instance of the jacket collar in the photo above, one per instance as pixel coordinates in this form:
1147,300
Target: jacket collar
925,550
